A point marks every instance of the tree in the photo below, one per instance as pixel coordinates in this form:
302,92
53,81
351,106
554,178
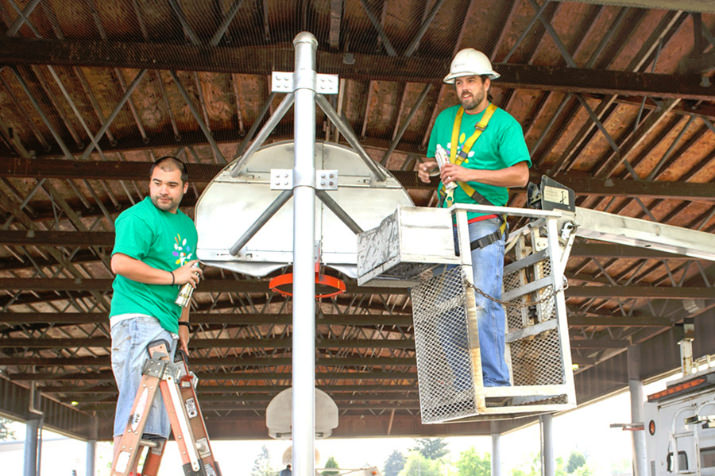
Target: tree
431,448
262,466
472,464
6,433
418,465
394,464
331,463
576,460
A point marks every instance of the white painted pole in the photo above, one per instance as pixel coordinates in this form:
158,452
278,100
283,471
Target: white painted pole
303,418
635,386
91,451
496,449
32,428
548,463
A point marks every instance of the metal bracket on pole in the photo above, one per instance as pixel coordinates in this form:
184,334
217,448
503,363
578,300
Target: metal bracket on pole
273,121
349,135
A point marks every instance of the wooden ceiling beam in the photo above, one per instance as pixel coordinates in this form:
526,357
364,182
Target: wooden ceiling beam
104,361
203,343
261,286
106,376
686,5
582,184
218,318
263,60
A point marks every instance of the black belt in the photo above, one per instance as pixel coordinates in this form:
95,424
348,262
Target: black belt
486,240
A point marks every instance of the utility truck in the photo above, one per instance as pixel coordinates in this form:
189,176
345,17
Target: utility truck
680,420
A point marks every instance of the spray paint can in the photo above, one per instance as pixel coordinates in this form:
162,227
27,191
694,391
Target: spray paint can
184,297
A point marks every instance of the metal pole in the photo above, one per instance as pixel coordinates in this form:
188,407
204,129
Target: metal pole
635,386
32,427
496,444
338,211
303,414
263,134
92,447
548,466
350,136
279,201
89,467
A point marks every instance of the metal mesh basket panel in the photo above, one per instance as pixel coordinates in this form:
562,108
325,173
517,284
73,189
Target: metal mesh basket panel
535,359
446,376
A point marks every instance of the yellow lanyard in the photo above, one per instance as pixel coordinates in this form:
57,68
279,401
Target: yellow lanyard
463,153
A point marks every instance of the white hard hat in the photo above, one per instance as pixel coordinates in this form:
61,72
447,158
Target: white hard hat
470,62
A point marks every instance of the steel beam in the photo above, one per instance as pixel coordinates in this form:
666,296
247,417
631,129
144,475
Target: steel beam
264,59
215,318
261,286
583,185
686,5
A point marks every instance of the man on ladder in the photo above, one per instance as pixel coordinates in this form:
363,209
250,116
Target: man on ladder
153,254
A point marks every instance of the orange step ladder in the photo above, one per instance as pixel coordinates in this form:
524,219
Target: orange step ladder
177,386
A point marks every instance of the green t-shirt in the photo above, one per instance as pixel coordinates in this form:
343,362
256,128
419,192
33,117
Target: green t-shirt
163,240
500,146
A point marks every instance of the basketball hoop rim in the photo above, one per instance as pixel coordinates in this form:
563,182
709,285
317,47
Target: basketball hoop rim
337,284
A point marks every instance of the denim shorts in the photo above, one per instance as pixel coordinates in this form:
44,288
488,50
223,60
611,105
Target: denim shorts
130,338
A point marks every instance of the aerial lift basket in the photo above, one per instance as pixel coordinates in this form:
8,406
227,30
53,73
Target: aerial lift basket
445,315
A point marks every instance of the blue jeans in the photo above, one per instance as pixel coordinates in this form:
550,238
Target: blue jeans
130,338
488,271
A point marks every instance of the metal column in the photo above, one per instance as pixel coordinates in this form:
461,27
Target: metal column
548,464
89,466
496,449
635,386
32,428
92,447
303,358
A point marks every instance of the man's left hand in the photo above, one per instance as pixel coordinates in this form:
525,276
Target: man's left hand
184,339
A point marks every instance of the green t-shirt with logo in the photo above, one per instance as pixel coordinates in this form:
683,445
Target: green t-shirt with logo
500,146
163,240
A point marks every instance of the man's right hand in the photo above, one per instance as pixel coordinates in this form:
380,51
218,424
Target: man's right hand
188,273
424,169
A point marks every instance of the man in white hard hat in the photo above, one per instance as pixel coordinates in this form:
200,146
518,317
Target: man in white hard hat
487,155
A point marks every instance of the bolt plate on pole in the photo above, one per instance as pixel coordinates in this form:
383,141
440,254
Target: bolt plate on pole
282,82
326,83
281,179
326,179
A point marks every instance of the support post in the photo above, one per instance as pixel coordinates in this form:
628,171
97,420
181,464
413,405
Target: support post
303,358
635,386
496,449
32,428
92,447
548,466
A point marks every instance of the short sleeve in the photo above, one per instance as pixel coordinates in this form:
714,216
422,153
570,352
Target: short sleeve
132,236
513,147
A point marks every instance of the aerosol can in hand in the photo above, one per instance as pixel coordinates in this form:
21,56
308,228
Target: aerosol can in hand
184,297
442,158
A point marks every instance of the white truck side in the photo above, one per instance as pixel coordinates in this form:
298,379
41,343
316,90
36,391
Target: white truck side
680,426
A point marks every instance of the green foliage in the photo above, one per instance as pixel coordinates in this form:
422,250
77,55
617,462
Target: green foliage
472,464
576,460
331,463
576,466
262,465
418,465
6,433
394,464
431,448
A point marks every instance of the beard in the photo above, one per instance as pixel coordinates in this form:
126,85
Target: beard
164,205
471,101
